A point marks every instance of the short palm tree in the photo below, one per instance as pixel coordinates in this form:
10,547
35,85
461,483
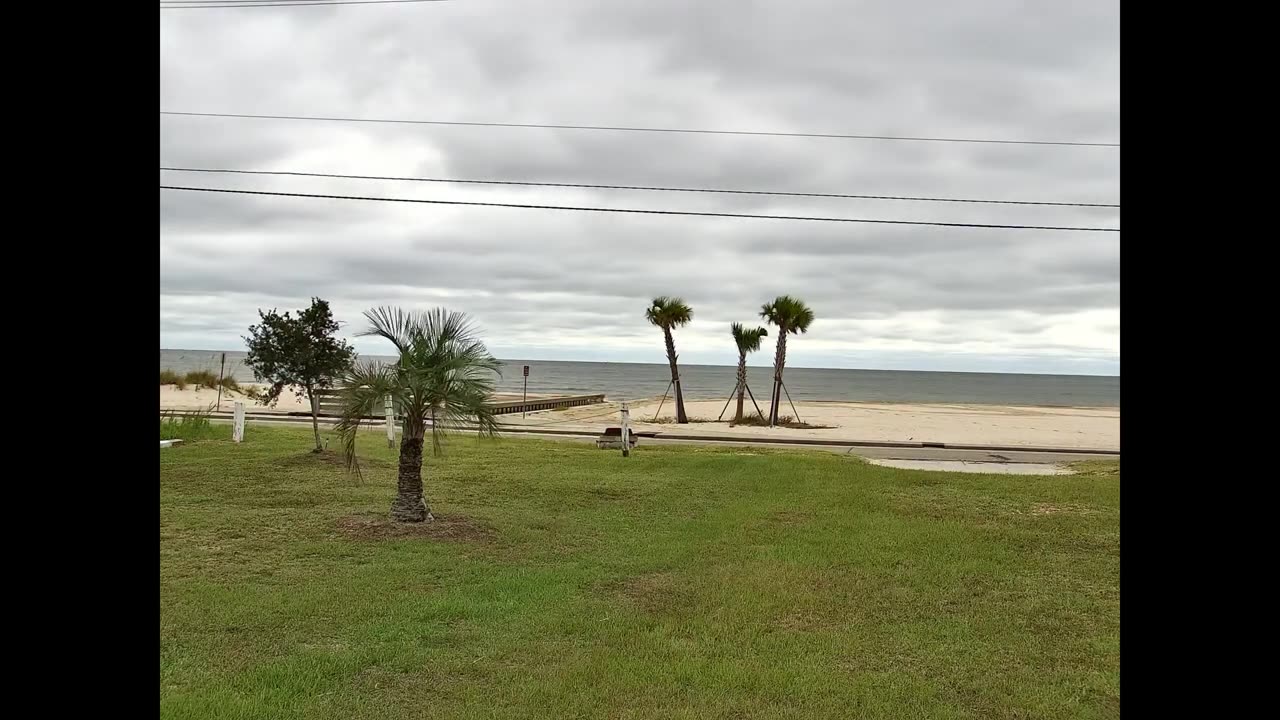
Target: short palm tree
443,377
791,315
748,341
667,313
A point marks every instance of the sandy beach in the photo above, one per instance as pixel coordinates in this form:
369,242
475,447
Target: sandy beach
1095,428
191,398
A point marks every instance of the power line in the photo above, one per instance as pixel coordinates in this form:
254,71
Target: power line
317,118
633,187
240,2
190,4
637,211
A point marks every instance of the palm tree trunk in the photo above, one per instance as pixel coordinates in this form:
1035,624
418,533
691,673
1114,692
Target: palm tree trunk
742,385
675,376
409,505
779,361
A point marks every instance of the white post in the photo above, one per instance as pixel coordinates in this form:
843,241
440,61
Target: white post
626,420
390,409
237,427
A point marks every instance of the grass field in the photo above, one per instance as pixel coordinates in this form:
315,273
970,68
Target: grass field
566,582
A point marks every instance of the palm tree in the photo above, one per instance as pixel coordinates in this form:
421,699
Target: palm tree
443,377
666,313
791,315
747,340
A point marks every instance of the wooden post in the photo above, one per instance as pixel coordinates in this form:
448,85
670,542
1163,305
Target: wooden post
626,420
237,427
221,372
390,408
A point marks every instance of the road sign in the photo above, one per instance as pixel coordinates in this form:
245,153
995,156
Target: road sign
526,371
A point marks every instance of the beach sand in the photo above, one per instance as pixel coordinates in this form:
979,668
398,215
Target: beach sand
171,398
1093,428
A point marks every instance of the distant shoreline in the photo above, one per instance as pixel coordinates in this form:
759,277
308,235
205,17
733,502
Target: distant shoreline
707,382
765,366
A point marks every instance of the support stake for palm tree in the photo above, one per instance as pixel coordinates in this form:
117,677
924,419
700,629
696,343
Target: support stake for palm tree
725,409
664,399
747,387
793,405
753,402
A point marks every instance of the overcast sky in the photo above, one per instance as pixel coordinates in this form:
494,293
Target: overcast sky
559,285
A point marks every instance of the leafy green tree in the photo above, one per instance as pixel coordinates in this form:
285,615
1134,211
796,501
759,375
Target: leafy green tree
298,352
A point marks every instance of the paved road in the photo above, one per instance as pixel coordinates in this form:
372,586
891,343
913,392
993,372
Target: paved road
894,453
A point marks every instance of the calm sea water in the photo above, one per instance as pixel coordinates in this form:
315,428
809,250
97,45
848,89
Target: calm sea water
639,380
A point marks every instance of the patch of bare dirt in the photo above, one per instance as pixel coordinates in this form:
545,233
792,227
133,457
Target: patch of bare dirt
331,458
652,592
788,517
1046,509
450,528
801,621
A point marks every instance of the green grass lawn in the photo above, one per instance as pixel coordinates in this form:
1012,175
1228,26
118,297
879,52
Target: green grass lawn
568,582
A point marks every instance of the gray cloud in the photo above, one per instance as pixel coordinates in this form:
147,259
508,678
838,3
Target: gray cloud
560,283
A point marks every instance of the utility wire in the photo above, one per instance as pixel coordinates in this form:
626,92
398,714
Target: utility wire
637,211
259,2
240,2
631,187
190,4
317,118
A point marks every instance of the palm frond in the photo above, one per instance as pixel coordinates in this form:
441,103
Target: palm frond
789,313
365,389
391,323
747,339
669,312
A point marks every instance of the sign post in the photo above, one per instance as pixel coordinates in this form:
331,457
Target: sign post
389,408
524,398
626,421
222,371
237,422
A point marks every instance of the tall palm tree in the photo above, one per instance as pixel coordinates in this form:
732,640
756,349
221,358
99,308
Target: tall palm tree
667,313
791,316
443,377
748,341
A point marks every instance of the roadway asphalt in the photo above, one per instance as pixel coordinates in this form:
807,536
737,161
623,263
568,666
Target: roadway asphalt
886,452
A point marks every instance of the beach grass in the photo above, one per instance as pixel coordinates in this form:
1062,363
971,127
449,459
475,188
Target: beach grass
785,421
198,378
683,582
169,377
202,378
191,426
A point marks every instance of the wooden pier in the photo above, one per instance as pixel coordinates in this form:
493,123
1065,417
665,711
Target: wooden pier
329,404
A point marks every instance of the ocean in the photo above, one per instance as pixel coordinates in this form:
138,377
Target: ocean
634,381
